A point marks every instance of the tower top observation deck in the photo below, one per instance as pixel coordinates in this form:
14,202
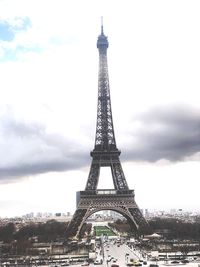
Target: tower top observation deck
102,42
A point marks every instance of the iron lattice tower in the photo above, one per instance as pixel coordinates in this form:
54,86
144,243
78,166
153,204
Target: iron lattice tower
105,153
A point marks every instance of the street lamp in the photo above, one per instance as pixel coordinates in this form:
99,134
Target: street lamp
126,258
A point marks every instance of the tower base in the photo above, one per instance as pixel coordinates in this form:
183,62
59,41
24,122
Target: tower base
121,201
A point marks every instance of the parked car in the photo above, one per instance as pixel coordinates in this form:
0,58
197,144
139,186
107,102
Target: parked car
65,264
85,263
137,264
98,262
185,261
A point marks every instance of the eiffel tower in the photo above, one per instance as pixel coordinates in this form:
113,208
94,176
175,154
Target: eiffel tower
105,154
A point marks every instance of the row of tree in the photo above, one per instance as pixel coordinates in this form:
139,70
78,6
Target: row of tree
170,228
54,230
20,241
45,232
176,229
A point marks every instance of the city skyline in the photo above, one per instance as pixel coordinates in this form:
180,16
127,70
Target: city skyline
49,67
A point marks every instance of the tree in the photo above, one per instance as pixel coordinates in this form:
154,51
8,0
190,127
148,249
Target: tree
7,232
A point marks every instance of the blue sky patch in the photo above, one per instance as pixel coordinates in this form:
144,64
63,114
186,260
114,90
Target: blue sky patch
13,54
8,30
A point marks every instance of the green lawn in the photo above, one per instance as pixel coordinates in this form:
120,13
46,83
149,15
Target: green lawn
103,230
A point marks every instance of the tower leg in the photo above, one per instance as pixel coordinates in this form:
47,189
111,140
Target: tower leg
76,223
142,224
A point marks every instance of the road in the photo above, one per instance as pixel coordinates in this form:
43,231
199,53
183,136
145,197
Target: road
122,254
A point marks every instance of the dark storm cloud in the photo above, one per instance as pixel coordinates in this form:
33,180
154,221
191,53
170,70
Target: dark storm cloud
28,149
170,132
29,168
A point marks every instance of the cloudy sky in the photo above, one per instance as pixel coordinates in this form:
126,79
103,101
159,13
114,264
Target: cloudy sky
48,85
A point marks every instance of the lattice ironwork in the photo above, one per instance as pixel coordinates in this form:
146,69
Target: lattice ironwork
93,177
105,153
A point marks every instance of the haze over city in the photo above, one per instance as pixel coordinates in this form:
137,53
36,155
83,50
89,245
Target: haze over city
49,74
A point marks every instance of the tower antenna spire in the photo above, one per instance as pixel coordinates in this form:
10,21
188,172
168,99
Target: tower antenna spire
102,25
